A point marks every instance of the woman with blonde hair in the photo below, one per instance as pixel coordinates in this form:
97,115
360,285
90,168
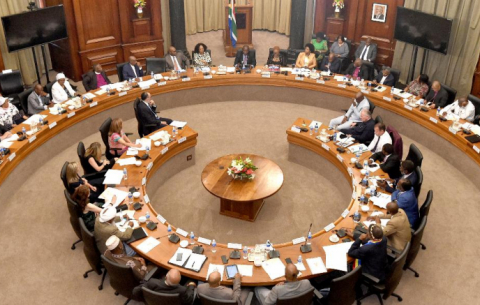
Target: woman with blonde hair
93,154
89,210
74,180
117,138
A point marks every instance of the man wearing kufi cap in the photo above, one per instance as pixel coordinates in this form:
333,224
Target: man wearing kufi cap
105,227
62,90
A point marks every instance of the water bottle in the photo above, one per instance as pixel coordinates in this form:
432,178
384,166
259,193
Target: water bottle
299,260
192,238
24,131
356,217
438,111
107,89
169,228
268,245
357,155
147,215
362,198
130,198
40,121
84,100
367,174
311,130
124,174
316,128
174,132
214,246
152,75
334,138
392,90
365,164
59,109
147,150
245,252
309,238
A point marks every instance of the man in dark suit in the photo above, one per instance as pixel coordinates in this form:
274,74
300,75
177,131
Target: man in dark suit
407,169
95,78
148,117
385,78
132,69
357,70
176,61
245,59
331,63
366,51
406,200
169,285
437,96
362,132
389,161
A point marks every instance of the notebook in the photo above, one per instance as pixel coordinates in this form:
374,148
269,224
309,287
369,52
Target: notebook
473,139
138,233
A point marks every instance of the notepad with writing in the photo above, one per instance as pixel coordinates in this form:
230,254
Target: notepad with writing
195,262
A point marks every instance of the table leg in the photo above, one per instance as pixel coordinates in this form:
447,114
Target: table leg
244,210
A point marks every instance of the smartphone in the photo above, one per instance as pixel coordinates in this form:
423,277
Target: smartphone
288,260
224,259
179,256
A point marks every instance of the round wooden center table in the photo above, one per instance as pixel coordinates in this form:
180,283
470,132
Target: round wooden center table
242,199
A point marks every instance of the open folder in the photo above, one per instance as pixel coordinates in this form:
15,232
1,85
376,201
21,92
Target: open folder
189,260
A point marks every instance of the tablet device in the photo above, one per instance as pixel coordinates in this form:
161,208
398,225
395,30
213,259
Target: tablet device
231,270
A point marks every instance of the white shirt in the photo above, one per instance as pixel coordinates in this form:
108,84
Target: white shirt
383,79
465,113
353,113
175,63
384,139
365,57
134,71
58,93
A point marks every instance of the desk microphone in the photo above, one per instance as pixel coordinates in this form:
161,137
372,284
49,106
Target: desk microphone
306,248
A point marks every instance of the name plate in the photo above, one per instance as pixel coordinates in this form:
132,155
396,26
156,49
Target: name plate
181,232
71,114
11,157
329,227
345,213
234,246
388,99
207,77
93,104
162,83
453,131
320,81
52,125
295,129
342,86
354,194
123,93
144,180
145,197
164,150
325,146
339,158
161,219
350,171
204,241
144,87
299,78
266,75
408,107
365,91
182,140
149,166
186,79
434,120
33,138
299,240
475,148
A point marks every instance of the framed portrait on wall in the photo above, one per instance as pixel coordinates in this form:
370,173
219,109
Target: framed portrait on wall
379,12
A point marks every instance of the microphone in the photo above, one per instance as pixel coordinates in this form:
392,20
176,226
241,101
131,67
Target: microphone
306,248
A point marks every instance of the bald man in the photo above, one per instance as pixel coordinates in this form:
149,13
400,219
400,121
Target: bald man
290,288
38,100
353,114
176,61
132,69
214,290
437,96
366,51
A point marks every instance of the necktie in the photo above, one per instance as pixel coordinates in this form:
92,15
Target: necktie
363,53
376,144
175,63
245,60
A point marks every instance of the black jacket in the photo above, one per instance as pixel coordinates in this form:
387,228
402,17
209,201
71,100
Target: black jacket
335,65
187,293
250,58
363,73
90,80
128,71
363,132
389,81
441,100
373,257
391,166
148,118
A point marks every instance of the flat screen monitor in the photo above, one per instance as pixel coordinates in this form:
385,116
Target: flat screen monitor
424,30
34,28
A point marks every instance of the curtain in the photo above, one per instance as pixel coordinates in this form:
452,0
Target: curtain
309,21
457,67
166,25
20,60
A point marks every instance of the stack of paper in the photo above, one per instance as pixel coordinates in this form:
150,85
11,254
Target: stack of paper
230,69
381,200
127,161
245,270
361,148
178,124
108,194
89,95
345,142
475,129
383,222
220,268
162,135
100,92
340,78
337,256
145,143
34,118
316,265
132,151
113,176
274,268
147,83
147,245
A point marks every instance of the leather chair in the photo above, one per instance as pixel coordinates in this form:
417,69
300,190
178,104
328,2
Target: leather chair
85,85
120,71
156,298
155,65
284,54
378,119
372,106
104,134
425,209
303,299
206,300
342,289
142,127
84,163
452,93
397,141
391,282
396,75
63,175
476,102
48,88
23,99
415,246
415,155
418,187
207,50
122,278
74,212
91,253
370,68
11,85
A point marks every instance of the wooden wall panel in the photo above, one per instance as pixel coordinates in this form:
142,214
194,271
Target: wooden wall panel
107,57
152,18
143,50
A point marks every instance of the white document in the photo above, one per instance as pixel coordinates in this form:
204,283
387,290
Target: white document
337,256
339,78
126,161
14,137
274,268
316,265
34,118
129,213
230,69
178,124
100,92
89,95
185,255
108,194
313,123
361,148
300,266
381,200
145,142
220,268
245,270
295,129
5,144
147,83
147,245
132,151
162,135
113,176
195,262
298,240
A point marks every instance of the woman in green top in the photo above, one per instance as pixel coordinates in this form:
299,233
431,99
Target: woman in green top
321,45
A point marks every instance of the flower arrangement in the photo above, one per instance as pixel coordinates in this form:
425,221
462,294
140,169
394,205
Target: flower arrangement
339,4
242,169
139,3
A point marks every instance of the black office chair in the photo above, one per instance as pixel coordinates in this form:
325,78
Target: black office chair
91,253
63,175
418,186
48,88
370,68
206,300
207,50
415,155
378,119
156,65
156,298
120,71
415,246
143,129
303,299
372,106
342,289
476,102
122,278
284,54
396,76
11,85
85,85
23,99
74,212
425,210
87,169
452,93
391,282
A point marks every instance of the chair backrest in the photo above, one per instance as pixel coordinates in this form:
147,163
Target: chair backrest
378,119
11,83
85,85
452,93
425,208
302,299
155,298
206,300
415,243
120,71
83,160
397,141
139,121
48,88
155,65
415,155
284,54
104,128
372,106
476,102
122,278
418,186
342,289
90,248
74,212
395,272
23,97
370,68
396,75
63,175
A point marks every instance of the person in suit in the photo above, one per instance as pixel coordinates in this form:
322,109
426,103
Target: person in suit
245,59
385,78
146,112
437,96
407,169
214,290
96,78
389,161
307,59
275,58
290,288
397,230
406,200
62,90
461,108
353,114
176,61
366,51
356,70
38,100
170,284
132,70
331,64
379,14
381,138
362,132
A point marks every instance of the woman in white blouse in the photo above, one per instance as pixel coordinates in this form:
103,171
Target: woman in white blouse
9,114
62,90
201,58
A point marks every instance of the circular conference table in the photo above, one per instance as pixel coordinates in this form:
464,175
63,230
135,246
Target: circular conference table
242,199
138,176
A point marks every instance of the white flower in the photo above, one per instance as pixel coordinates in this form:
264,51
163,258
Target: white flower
247,160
